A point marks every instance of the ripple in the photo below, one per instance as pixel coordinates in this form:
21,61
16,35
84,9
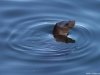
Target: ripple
28,46
82,36
39,41
35,38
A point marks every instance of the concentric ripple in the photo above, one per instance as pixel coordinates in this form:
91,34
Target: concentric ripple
35,38
27,46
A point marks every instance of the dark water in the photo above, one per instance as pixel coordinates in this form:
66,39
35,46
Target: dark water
27,46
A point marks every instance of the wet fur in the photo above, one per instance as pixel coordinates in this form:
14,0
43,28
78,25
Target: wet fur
62,37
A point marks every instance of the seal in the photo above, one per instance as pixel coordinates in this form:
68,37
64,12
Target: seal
61,31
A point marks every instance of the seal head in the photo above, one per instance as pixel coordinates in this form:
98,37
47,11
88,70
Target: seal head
61,30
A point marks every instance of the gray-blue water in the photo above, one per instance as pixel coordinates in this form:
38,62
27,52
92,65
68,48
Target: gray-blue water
27,46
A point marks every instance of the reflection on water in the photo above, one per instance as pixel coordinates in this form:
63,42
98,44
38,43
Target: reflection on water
27,44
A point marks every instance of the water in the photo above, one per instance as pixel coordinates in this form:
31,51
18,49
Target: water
27,46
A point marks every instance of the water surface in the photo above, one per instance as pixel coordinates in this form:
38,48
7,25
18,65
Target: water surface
27,46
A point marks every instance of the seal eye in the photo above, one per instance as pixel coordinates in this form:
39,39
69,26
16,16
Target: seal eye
66,24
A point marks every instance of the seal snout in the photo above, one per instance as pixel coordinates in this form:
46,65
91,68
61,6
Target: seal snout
71,24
